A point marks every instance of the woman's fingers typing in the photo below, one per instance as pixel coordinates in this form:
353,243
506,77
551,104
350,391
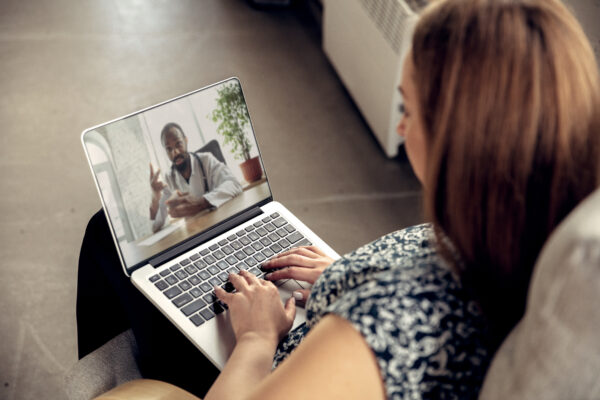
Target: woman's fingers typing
257,307
294,272
302,263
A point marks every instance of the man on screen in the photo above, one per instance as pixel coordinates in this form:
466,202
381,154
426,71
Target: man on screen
197,181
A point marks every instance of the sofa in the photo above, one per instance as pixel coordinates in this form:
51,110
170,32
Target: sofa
552,353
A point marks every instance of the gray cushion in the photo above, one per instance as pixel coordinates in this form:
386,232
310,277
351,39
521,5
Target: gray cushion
554,351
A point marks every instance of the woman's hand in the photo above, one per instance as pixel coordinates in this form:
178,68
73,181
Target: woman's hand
300,263
256,308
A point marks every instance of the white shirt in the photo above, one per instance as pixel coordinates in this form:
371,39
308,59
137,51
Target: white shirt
222,185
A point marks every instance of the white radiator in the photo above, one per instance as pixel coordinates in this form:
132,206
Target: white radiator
365,41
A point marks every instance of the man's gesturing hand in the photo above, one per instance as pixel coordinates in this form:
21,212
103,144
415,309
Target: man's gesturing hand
155,183
300,263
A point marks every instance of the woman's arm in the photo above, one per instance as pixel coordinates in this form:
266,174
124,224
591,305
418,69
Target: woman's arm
334,361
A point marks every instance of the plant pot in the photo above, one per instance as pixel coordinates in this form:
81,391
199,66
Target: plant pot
251,169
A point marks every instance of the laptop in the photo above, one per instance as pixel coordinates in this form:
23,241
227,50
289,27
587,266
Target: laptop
188,202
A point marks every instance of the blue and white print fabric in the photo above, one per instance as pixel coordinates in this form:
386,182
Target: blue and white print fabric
427,335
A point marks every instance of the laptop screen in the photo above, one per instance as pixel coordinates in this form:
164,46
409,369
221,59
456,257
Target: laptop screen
174,170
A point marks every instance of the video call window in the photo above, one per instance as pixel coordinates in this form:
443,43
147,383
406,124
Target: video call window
176,169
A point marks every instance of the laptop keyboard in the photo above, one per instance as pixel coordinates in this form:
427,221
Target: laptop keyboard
189,283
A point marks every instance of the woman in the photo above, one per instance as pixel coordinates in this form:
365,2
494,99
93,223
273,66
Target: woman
501,126
501,121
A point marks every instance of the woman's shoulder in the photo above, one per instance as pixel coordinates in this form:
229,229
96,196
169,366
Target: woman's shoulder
397,249
414,314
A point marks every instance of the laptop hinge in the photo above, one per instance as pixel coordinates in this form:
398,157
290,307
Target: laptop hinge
204,237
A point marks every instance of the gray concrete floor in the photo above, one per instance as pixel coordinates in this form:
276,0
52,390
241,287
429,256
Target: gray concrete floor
66,65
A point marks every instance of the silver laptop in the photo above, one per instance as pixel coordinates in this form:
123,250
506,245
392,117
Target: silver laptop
188,202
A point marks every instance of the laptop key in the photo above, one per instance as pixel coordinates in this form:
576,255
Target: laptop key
303,242
204,275
270,227
259,257
261,231
171,279
223,242
250,261
274,237
154,278
224,276
215,281
175,267
257,224
266,219
204,252
218,254
289,228
281,232
227,250
161,285
194,257
190,269
283,243
182,300
294,237
231,238
174,291
231,260
193,307
249,228
196,292
209,298
194,280
240,255
257,246
265,241
185,285
181,274
213,270
197,319
240,233
279,222
274,215
209,259
165,272
236,245
267,253
245,241
242,266
253,236
249,250
213,247
276,248
185,262
223,265
207,314
206,288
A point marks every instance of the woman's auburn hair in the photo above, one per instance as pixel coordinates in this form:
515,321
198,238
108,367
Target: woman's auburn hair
510,98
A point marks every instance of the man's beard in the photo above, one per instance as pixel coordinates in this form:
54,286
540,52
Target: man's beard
182,166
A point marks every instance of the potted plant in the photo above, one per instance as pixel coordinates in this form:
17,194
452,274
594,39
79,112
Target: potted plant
232,117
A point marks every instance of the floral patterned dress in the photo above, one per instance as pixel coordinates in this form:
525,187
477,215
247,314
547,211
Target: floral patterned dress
426,332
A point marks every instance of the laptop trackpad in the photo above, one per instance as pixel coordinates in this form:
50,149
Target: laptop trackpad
286,291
